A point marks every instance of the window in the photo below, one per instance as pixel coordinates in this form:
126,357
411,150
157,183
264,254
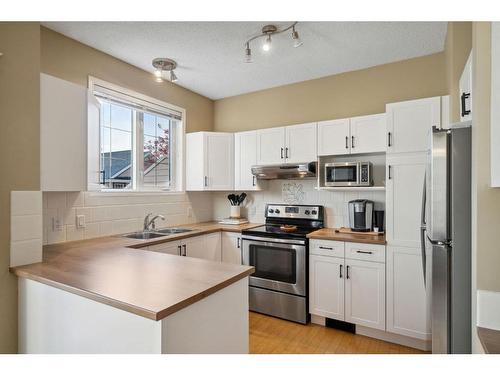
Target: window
140,141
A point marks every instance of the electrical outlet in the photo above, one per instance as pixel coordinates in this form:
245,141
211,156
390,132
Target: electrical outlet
57,224
80,221
190,211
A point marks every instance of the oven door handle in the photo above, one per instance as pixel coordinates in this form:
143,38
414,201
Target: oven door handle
275,240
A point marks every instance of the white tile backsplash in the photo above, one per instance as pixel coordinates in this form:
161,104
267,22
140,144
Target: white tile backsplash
114,213
26,227
334,202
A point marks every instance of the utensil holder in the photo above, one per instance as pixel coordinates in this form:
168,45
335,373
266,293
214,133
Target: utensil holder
235,212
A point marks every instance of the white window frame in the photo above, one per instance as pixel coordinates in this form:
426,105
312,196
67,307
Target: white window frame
178,152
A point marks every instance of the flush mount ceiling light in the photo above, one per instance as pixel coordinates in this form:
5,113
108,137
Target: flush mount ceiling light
266,32
163,65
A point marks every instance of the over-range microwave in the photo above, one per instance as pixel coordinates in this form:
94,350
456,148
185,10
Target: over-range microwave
349,174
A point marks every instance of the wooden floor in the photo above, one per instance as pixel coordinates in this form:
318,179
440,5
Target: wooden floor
272,335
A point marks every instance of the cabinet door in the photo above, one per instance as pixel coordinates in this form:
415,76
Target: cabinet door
300,143
465,85
204,247
231,247
404,187
63,135
407,312
271,146
368,134
326,286
365,293
334,137
245,156
409,124
219,159
173,247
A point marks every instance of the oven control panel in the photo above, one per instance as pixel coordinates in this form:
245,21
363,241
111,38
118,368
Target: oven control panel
291,211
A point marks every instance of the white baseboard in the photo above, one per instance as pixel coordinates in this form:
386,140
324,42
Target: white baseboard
394,338
488,309
382,335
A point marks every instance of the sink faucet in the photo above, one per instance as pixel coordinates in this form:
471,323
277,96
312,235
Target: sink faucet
150,223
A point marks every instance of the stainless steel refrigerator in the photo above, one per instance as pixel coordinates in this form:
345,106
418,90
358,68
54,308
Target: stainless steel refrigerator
446,230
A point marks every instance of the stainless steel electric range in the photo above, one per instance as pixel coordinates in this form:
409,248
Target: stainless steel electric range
279,286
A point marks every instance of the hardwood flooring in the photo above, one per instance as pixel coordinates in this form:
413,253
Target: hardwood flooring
270,335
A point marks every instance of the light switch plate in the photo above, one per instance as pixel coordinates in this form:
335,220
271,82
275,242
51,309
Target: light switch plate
80,221
57,224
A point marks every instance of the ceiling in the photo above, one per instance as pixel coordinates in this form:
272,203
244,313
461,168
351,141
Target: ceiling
210,55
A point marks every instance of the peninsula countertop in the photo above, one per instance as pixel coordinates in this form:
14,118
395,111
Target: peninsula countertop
112,271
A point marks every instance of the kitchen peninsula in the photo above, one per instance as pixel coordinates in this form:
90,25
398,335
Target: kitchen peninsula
107,295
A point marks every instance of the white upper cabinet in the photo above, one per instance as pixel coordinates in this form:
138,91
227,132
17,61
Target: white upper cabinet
326,286
271,146
465,86
368,134
245,156
409,123
407,301
288,144
356,135
300,143
209,161
404,188
334,137
365,293
63,135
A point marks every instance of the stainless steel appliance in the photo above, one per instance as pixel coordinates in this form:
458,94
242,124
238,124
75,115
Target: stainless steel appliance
280,257
360,215
446,217
349,174
284,171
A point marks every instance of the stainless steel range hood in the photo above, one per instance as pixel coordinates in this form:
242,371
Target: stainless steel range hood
284,171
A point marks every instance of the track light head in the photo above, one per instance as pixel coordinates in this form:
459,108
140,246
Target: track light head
297,42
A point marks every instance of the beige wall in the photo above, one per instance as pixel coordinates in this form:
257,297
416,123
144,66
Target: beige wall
487,199
19,149
457,49
73,61
349,94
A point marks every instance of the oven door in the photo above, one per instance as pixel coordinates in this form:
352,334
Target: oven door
280,265
341,174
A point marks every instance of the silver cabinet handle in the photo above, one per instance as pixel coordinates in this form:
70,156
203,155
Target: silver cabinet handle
352,141
340,271
206,180
326,248
346,141
364,252
184,246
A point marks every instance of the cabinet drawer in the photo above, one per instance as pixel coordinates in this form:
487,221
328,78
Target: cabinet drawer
363,251
327,248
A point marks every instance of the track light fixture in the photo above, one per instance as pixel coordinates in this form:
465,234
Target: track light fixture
266,32
163,64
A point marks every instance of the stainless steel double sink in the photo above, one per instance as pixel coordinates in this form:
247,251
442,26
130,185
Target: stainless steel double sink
147,235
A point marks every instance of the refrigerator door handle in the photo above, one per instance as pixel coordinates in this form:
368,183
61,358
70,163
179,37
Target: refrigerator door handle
423,227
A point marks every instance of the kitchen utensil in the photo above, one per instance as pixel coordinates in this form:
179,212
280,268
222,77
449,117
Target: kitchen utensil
232,199
242,198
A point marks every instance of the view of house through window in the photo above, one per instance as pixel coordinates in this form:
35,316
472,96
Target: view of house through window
135,148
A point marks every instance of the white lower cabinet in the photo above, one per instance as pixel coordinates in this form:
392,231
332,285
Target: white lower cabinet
231,247
407,312
204,247
326,284
344,288
365,293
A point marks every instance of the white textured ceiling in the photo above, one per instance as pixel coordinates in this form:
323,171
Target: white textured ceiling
210,54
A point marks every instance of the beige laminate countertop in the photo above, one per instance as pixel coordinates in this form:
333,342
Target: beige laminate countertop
330,234
112,271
